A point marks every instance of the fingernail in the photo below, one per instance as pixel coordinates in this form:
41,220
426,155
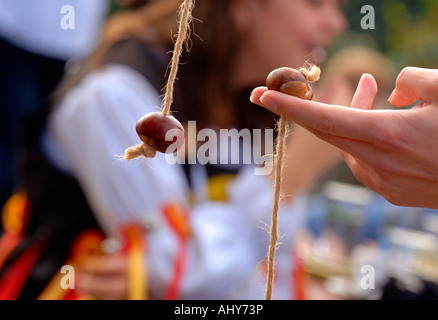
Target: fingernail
251,98
363,76
391,96
269,103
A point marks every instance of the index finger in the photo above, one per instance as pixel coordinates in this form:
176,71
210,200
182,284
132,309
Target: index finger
415,84
329,119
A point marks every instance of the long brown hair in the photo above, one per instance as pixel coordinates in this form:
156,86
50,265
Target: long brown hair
205,78
203,89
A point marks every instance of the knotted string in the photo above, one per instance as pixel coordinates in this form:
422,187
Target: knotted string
312,74
185,13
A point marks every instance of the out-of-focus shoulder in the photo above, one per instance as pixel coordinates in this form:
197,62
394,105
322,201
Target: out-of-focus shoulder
114,79
112,83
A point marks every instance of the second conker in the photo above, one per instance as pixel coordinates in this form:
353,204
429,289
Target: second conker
291,81
153,128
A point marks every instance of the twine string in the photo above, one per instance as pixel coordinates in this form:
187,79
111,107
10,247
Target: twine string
281,145
312,74
183,33
185,14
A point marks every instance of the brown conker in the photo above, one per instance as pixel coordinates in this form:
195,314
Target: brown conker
152,130
290,81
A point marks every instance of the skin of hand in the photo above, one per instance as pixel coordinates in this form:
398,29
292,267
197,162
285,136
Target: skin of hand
307,157
391,151
104,277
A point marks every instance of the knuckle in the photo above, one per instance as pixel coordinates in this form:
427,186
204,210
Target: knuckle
322,135
422,84
432,86
384,168
387,138
381,167
325,125
404,75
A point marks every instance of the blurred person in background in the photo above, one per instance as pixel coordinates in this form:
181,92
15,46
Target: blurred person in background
199,224
34,48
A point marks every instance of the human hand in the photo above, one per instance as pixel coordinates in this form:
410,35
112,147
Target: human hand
391,151
104,277
309,156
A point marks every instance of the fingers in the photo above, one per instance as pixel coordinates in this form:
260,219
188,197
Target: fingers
415,84
105,265
103,287
365,93
319,117
256,95
104,277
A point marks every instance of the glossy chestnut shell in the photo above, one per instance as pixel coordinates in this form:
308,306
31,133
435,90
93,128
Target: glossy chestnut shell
152,130
289,81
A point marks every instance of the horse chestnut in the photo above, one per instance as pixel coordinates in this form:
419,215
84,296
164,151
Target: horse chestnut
153,128
293,82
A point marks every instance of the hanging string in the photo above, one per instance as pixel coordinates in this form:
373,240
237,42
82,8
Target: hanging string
312,74
185,19
281,145
183,34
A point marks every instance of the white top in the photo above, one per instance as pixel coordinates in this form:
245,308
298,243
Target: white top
96,122
35,25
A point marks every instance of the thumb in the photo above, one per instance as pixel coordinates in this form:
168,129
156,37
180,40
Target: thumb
365,93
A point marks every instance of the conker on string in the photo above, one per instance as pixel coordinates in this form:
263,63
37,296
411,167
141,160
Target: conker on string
152,130
293,82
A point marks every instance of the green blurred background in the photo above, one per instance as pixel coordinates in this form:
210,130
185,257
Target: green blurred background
406,30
